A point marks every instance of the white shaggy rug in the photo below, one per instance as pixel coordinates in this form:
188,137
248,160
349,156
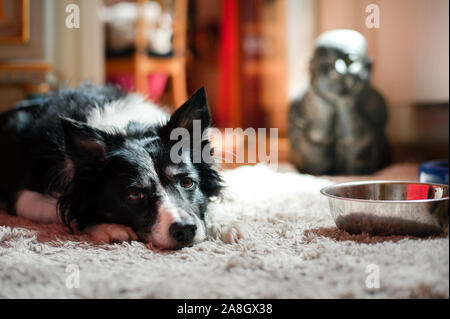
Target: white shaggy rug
278,241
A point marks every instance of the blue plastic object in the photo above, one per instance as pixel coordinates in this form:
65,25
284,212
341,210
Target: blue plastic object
434,172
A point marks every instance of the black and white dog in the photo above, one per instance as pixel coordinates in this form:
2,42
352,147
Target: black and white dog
98,160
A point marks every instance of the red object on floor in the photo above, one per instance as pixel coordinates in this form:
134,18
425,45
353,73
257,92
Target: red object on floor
157,83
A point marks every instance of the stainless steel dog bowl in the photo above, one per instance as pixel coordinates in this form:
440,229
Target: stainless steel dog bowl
389,208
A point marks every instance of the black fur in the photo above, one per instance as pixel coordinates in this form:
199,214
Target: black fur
39,142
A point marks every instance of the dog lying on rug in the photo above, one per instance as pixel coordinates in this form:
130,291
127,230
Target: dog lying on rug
99,160
292,249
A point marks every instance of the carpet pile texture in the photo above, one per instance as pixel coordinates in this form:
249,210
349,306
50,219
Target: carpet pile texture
271,236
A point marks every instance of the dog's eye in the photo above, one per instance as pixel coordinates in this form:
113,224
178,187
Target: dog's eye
186,182
135,194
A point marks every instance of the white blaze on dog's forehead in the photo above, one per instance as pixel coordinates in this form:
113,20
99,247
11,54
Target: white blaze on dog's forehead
118,114
168,207
159,234
173,170
169,213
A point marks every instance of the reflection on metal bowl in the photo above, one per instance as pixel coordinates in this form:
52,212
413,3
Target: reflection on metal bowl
389,208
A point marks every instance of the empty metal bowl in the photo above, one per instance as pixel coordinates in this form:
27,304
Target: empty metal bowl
389,208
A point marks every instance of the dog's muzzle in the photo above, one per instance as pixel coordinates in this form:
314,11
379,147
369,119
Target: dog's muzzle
183,232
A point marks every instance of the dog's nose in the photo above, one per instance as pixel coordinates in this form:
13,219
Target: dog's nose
183,233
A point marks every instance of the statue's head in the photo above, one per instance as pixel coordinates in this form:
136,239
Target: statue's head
340,66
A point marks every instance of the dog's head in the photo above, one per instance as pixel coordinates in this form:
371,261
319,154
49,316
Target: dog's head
143,178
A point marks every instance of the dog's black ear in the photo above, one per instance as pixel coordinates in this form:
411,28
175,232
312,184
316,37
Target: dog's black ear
83,143
195,108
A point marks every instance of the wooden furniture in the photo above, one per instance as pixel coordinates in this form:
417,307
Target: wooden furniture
29,76
267,26
15,68
24,19
274,68
254,95
141,64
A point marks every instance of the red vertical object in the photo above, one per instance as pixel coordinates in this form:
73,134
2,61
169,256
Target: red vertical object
228,64
417,192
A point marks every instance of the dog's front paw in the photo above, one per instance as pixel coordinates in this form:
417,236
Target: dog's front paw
229,233
111,233
220,225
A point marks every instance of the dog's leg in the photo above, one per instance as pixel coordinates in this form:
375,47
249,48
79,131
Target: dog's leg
42,208
219,225
111,233
37,207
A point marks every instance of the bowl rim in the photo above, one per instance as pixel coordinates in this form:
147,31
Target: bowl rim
324,190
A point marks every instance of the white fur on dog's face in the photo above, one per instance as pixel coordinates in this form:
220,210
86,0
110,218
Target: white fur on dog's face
168,214
140,166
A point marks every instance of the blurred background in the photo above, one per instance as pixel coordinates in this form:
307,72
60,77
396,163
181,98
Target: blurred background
251,55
